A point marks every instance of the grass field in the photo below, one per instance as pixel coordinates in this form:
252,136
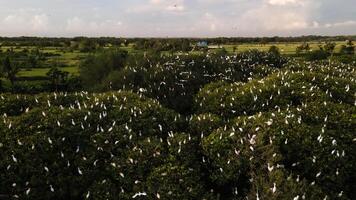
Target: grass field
285,48
42,71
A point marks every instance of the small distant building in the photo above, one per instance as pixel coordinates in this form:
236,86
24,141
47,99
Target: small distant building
202,44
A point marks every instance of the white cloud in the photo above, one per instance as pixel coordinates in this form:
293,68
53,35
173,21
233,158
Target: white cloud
213,27
275,17
283,2
75,25
25,22
156,1
40,22
79,26
175,8
159,6
208,25
177,18
267,18
344,23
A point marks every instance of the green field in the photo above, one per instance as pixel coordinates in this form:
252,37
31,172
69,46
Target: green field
41,72
285,48
69,60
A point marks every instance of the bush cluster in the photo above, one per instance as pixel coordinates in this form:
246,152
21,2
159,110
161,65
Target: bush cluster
254,130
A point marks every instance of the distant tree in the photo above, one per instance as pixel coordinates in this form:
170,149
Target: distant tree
65,44
25,50
95,68
303,48
87,45
263,41
348,49
126,43
185,45
32,61
57,77
274,50
349,43
10,50
234,49
9,70
329,47
1,76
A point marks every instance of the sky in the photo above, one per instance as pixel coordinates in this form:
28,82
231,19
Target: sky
177,18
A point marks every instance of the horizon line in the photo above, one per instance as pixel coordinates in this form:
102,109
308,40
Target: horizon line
175,37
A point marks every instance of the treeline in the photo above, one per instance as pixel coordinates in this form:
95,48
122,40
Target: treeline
55,42
59,42
172,45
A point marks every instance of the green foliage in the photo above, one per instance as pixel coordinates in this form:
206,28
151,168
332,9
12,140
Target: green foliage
319,54
348,50
303,48
172,181
345,59
156,45
174,80
96,67
57,77
87,45
254,126
282,90
204,124
73,148
9,70
329,47
274,50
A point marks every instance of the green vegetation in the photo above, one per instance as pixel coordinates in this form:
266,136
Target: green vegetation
42,72
177,123
32,59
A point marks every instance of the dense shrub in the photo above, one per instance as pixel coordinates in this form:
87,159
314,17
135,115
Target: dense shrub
96,67
204,124
67,149
316,55
252,129
174,80
279,90
348,59
172,181
287,144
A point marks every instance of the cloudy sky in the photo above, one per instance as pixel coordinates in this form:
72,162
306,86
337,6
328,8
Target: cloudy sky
176,18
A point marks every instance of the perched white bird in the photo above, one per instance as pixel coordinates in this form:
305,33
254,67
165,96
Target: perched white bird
80,171
51,188
139,194
274,189
270,168
14,158
28,191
